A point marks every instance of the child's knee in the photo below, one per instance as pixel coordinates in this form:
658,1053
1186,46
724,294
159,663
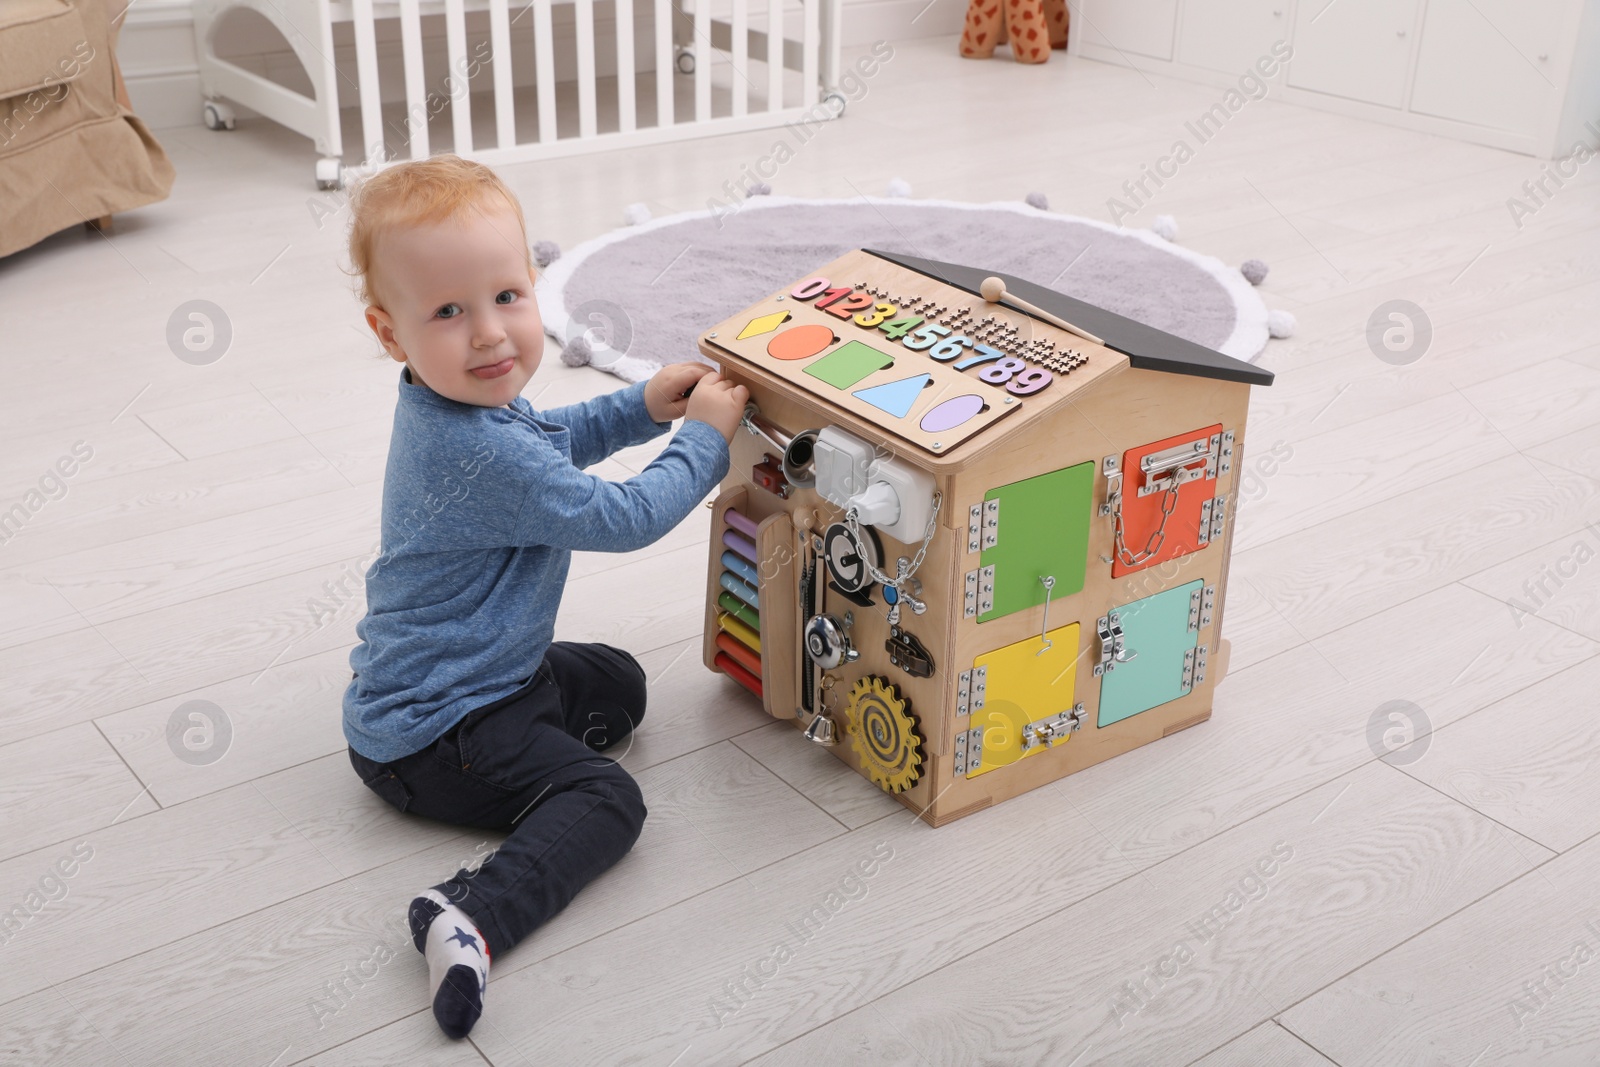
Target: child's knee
624,794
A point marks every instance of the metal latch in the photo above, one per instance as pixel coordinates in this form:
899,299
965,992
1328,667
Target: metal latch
1111,467
1052,728
1113,644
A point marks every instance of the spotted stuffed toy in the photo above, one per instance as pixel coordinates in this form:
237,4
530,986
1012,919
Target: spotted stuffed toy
1034,26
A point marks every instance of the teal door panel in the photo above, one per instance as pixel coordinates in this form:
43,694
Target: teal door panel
1155,635
1042,529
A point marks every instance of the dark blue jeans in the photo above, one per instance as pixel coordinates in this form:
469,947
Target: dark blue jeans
528,765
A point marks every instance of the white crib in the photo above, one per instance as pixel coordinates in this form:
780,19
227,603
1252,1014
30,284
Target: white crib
687,42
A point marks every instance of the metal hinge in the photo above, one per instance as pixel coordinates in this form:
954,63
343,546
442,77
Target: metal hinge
974,527
1113,644
969,751
991,523
1218,517
971,689
979,597
1194,667
1201,601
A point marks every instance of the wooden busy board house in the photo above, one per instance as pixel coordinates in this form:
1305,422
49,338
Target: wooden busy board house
969,549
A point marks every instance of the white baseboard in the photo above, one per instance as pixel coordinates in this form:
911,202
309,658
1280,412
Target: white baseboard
157,53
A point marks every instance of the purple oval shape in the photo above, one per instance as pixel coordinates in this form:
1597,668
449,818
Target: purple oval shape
949,414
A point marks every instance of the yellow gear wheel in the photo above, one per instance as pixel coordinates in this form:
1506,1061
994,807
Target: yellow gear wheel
884,734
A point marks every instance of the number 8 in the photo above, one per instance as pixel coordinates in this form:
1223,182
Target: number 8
1001,372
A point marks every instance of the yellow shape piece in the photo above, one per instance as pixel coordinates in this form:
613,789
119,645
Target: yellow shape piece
765,324
1024,685
739,630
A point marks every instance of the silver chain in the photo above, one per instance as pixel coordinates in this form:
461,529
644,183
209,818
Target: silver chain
853,524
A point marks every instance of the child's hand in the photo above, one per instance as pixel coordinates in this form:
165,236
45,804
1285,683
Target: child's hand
719,402
663,396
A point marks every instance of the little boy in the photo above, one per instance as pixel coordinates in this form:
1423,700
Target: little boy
462,706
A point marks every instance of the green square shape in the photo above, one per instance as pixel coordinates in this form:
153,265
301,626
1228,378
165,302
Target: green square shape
1157,630
849,364
1044,529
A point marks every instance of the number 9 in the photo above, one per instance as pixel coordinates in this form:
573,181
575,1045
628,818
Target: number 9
1029,381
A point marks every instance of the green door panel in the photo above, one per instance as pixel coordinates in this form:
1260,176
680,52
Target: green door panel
1043,530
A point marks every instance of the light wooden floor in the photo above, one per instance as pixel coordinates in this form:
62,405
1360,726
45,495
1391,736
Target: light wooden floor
1427,913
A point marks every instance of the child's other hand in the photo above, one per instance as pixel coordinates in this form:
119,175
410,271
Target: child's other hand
720,403
663,396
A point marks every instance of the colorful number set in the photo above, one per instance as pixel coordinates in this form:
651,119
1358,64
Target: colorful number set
937,341
935,403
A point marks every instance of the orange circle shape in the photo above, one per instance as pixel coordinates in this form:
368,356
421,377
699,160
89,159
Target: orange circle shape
800,342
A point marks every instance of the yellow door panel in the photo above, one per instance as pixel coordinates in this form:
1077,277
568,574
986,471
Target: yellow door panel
1021,701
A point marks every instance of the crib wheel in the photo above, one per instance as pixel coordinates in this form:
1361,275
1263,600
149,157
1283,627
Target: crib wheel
836,103
685,61
217,115
330,173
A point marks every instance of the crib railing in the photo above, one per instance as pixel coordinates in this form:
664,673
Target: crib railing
689,46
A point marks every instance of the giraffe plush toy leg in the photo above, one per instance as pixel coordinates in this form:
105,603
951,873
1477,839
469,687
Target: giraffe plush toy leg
983,29
1025,25
1055,17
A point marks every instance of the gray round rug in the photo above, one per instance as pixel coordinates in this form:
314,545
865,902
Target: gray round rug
642,295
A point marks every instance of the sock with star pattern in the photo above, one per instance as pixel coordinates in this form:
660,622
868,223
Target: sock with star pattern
458,961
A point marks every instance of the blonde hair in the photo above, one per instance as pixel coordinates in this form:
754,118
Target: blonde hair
419,192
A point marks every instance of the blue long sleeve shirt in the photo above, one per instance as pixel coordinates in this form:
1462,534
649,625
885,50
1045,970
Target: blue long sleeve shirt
482,509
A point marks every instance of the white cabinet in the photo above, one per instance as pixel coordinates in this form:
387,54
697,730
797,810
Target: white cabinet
1358,49
1145,27
1514,75
1230,35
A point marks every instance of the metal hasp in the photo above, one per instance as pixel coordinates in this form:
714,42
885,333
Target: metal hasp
907,653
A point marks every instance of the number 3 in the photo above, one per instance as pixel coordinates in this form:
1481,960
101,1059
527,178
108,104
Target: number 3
876,315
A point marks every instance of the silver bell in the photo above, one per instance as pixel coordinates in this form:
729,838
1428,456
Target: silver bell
828,641
823,730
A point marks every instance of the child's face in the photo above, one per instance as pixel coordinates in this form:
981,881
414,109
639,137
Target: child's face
461,311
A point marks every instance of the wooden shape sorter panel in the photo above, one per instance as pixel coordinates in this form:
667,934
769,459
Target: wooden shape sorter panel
1031,529
1020,698
1181,478
1149,661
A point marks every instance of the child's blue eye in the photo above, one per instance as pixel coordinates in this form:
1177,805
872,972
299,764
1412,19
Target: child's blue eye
447,307
507,292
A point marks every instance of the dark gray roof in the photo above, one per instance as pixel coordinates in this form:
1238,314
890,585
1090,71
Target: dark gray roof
1146,347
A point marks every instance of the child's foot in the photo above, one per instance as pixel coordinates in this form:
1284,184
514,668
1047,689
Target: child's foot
458,961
